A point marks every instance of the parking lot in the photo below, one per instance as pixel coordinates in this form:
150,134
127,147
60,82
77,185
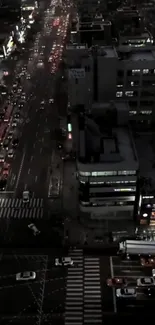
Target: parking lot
23,299
131,270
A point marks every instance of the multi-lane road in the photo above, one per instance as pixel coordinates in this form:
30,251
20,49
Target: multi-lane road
32,164
67,295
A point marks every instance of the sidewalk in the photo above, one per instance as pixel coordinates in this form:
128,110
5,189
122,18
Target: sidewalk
70,195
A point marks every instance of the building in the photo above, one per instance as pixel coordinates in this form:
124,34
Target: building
118,73
107,163
10,11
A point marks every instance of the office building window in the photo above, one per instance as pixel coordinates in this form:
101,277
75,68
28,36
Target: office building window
135,71
131,113
119,93
129,93
145,71
149,112
134,83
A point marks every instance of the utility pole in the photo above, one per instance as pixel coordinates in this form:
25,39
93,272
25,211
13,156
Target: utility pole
42,291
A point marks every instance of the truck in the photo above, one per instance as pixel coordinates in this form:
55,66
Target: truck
137,247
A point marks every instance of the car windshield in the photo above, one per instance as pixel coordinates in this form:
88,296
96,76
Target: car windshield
26,274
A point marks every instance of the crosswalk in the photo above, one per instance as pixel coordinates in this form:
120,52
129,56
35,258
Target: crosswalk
15,208
74,290
92,291
83,291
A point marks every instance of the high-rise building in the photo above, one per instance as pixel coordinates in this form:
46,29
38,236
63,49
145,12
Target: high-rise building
108,73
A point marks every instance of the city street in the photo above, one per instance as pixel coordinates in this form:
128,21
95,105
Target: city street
45,293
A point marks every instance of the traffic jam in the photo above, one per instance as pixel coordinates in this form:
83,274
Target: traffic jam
57,49
14,99
9,137
133,276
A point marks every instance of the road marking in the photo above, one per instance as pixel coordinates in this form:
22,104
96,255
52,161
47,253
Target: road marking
113,290
13,178
29,171
25,187
36,178
42,140
34,145
20,170
41,149
31,158
36,134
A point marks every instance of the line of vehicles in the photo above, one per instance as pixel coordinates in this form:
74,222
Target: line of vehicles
145,251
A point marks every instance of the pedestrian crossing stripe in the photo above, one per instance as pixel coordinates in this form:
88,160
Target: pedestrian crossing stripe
83,290
15,208
18,203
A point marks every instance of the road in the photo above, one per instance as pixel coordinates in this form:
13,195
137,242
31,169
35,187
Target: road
31,166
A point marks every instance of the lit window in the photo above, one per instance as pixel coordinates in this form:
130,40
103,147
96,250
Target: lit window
84,173
119,86
129,93
135,71
145,71
132,113
119,94
149,112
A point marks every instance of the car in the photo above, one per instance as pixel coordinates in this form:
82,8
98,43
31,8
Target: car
51,101
63,261
148,262
26,276
10,134
33,227
6,144
2,155
6,170
14,123
26,196
145,282
126,293
15,142
116,282
17,115
10,153
28,77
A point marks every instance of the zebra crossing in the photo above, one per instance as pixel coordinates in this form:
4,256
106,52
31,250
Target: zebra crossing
92,292
15,208
74,290
83,304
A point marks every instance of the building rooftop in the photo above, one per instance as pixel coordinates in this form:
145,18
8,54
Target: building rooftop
103,146
143,55
108,51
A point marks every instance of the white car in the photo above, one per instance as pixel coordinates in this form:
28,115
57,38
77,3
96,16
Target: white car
35,230
25,276
51,101
26,196
126,293
10,153
145,282
63,261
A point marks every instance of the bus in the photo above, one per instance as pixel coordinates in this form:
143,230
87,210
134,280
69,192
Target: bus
8,113
3,128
